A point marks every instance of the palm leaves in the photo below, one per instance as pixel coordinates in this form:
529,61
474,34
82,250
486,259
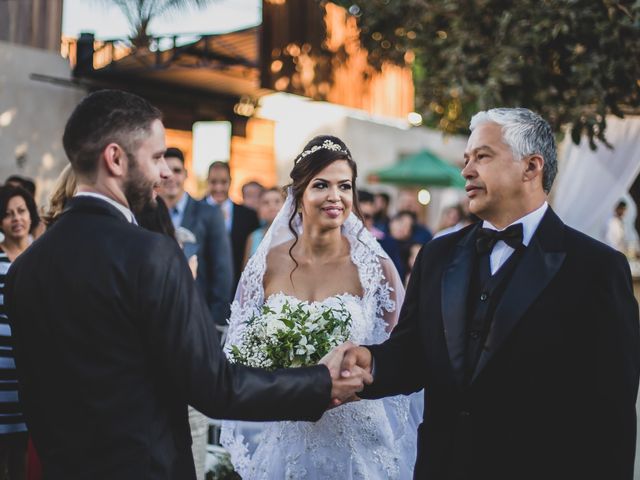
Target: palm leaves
140,13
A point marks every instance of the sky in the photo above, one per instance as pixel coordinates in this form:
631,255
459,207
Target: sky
107,22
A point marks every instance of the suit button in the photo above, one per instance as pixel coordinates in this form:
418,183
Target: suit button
474,334
464,413
484,296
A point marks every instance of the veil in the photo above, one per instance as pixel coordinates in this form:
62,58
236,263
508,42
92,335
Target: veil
383,293
379,278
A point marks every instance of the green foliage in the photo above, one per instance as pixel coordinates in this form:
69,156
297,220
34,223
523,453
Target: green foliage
222,468
573,61
294,336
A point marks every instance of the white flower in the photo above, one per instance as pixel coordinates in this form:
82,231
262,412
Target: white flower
273,326
309,330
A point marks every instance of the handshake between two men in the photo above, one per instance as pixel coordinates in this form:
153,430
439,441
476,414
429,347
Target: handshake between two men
350,368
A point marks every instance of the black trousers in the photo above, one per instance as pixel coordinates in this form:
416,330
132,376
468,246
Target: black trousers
13,456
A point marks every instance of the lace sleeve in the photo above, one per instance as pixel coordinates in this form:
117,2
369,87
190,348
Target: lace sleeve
391,293
383,287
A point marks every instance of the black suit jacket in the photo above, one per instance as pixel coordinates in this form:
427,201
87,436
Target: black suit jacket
113,339
243,221
215,270
553,395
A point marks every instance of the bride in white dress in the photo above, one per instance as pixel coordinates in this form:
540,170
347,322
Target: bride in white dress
317,251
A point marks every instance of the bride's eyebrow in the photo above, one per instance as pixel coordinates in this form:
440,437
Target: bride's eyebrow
318,179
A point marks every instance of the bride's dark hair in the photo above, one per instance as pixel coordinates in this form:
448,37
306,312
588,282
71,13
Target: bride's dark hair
317,155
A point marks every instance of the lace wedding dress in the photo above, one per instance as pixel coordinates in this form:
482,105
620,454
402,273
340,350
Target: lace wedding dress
369,439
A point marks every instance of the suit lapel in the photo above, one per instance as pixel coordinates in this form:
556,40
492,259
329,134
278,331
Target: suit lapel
539,264
236,220
188,219
455,288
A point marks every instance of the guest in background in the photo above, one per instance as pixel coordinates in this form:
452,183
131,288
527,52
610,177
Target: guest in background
239,220
19,219
251,192
388,243
63,190
381,216
467,218
30,186
368,210
414,249
615,235
157,218
408,202
450,216
401,230
269,204
23,182
215,274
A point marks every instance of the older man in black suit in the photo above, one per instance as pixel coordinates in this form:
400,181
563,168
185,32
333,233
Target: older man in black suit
523,332
112,337
211,244
240,220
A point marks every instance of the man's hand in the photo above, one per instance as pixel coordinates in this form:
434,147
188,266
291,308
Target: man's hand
346,382
356,356
193,265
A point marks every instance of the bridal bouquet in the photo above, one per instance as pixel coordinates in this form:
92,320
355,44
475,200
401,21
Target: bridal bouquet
295,336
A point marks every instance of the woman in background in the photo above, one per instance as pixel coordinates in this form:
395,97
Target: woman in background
269,204
19,220
64,188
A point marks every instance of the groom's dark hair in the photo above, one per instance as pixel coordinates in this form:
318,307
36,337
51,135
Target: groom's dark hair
104,117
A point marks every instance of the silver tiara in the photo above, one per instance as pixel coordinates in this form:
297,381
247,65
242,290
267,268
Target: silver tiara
327,145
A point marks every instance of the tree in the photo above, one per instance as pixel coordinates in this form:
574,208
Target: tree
573,61
139,13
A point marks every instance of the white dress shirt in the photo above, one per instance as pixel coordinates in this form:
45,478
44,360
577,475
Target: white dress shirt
501,251
177,212
128,214
227,210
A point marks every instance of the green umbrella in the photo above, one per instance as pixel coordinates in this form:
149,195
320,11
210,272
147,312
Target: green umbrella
423,169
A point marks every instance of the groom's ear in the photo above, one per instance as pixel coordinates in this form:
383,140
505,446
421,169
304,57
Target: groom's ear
115,160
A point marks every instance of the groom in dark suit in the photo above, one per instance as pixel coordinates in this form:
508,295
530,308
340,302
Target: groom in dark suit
112,337
522,331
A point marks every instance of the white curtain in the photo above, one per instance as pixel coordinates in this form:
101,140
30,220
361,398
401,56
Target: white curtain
590,183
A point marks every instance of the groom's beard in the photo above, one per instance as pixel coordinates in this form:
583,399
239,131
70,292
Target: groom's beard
138,190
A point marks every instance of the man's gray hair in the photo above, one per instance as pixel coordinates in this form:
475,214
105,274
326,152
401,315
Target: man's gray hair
527,133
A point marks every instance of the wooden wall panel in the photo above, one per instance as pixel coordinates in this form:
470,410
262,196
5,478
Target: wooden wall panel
253,157
34,23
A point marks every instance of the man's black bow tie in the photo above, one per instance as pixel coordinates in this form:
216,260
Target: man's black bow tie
487,238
